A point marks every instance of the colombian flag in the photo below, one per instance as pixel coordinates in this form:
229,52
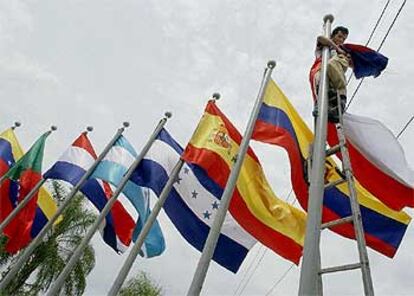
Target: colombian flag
279,124
274,223
23,175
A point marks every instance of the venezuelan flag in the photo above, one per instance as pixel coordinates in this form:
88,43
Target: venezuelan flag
279,124
274,223
10,152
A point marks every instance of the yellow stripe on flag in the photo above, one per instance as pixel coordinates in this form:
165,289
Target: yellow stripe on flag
274,97
252,184
45,200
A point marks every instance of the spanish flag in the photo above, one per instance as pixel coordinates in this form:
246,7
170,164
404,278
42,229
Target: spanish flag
280,124
23,175
276,224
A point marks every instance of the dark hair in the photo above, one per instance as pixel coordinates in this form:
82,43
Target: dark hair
339,29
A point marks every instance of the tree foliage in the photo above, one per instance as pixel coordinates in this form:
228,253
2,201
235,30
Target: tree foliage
140,285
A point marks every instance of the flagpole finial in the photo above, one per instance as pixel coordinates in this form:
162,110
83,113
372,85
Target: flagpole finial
168,114
53,128
328,17
16,124
271,64
125,124
216,96
89,129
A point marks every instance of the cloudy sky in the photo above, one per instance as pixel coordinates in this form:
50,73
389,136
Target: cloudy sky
76,63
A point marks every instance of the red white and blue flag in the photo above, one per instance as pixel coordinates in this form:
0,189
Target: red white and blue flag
366,61
72,165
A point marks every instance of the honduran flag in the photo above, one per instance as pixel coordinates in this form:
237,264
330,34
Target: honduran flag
280,124
112,169
193,202
70,167
276,224
366,61
10,152
378,160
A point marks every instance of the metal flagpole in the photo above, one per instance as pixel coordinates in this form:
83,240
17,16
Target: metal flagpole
148,224
309,276
26,199
14,126
39,238
57,285
213,235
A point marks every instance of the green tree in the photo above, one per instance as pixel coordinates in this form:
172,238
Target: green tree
140,285
50,257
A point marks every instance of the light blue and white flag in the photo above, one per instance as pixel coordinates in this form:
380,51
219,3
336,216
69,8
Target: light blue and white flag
193,202
111,169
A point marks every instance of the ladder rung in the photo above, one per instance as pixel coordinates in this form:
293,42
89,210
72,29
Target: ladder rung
334,183
340,268
333,150
337,222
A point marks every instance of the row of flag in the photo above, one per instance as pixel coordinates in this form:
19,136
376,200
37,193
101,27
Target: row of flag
255,212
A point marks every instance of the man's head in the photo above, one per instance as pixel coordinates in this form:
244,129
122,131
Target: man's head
339,35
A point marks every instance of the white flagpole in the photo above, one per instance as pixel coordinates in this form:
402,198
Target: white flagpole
57,285
116,286
213,235
310,283
39,238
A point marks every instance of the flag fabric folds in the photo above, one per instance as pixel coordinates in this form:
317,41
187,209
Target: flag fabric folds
72,165
366,61
279,124
192,202
111,169
378,160
22,177
10,151
274,223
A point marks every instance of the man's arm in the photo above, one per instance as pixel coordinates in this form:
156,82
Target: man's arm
322,40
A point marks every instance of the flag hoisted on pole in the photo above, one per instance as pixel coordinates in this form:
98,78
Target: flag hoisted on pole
309,279
210,245
26,199
57,285
39,238
26,173
7,161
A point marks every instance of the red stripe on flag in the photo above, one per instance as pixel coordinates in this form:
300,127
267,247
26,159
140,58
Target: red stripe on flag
18,230
347,230
281,137
390,191
232,131
123,223
219,172
83,142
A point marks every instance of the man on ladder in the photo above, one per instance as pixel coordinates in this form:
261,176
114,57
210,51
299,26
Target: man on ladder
338,64
328,83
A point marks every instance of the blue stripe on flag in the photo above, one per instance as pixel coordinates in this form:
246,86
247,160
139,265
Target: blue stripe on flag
388,230
113,173
228,253
6,153
202,177
39,221
123,142
91,189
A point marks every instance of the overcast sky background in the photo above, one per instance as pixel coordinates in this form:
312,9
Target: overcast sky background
77,63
